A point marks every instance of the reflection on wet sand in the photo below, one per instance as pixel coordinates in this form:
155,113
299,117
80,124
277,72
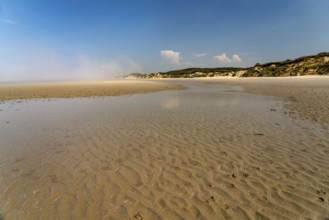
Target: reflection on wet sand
170,103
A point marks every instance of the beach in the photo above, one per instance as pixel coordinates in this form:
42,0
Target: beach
224,148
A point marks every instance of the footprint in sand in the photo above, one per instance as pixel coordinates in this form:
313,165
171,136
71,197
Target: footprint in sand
321,199
18,160
245,174
258,134
321,193
137,216
211,200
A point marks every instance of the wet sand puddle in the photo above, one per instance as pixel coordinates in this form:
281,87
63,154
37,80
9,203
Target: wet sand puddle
208,152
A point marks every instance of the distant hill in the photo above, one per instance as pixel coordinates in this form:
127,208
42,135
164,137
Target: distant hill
307,65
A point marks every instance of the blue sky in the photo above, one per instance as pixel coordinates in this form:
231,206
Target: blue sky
100,39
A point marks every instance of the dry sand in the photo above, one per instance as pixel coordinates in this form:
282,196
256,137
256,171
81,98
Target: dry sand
80,89
208,152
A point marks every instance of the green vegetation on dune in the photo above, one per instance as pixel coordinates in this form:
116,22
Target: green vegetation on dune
307,65
192,73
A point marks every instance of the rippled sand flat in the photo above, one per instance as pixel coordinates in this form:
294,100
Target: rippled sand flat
208,152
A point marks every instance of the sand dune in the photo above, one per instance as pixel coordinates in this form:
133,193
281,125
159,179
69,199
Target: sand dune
208,152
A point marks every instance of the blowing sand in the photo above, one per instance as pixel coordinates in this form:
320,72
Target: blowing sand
80,89
211,151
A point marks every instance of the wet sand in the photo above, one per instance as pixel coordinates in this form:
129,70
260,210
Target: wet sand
80,89
306,97
211,151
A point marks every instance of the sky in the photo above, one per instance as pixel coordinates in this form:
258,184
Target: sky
45,40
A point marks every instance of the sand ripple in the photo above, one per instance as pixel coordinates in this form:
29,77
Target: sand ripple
213,154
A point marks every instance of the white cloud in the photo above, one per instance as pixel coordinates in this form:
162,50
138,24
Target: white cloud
174,58
223,58
171,56
236,58
198,55
8,21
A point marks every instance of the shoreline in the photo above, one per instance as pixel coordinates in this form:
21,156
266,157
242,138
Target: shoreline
303,96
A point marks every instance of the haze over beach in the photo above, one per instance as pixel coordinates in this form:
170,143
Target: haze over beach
89,131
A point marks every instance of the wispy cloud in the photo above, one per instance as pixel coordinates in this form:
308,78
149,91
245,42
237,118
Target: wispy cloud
236,58
223,58
8,21
198,55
